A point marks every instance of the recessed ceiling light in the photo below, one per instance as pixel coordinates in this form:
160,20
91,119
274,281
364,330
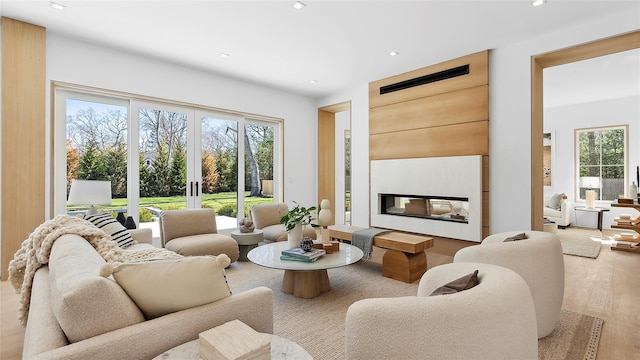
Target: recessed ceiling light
538,2
298,5
393,53
313,81
224,55
57,6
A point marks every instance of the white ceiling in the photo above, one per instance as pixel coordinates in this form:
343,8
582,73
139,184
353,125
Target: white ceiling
336,43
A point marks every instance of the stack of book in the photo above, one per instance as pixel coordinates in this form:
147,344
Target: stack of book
625,219
297,254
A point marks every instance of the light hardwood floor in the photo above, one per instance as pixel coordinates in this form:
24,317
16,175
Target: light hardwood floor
607,287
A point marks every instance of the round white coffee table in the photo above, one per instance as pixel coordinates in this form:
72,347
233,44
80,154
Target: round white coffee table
302,279
281,349
247,241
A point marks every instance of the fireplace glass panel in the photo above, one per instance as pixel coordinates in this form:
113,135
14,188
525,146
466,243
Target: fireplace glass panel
429,207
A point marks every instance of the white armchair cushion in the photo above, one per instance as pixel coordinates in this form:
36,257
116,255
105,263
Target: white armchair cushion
556,200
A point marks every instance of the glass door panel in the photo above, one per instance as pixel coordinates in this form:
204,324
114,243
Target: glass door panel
219,167
259,162
162,151
96,147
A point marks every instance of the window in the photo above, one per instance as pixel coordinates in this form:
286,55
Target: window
601,161
160,155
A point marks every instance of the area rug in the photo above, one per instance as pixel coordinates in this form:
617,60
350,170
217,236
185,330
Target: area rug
578,242
318,324
575,336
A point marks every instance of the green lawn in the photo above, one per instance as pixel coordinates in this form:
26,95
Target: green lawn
222,203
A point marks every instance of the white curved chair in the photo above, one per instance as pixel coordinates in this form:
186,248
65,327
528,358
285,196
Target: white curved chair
493,320
537,259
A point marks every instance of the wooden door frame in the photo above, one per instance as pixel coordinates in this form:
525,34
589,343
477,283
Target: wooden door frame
327,152
581,52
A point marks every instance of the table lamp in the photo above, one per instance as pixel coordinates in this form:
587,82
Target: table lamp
90,192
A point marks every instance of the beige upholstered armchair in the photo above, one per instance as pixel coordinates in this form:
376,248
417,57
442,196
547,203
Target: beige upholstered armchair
538,259
194,232
493,320
266,217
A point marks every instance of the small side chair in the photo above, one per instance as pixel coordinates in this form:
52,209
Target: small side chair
192,232
266,217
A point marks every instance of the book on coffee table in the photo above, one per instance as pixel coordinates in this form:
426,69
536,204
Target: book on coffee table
301,254
293,258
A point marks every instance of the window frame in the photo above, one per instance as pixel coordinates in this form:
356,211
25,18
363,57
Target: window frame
577,182
62,91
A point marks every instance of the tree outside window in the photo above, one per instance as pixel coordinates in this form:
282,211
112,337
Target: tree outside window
601,161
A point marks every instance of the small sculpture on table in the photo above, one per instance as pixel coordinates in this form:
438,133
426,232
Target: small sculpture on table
324,220
246,225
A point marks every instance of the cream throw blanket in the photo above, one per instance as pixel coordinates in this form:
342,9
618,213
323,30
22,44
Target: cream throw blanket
35,252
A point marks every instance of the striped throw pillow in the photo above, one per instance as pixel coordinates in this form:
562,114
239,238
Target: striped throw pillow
112,227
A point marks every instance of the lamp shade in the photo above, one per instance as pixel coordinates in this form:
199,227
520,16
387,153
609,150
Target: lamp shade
590,182
90,192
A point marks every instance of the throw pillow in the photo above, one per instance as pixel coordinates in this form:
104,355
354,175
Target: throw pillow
159,287
520,236
460,284
555,202
111,226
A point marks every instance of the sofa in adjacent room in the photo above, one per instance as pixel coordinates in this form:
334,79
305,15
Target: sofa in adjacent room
557,209
77,311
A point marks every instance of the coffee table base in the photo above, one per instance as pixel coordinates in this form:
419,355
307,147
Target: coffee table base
305,284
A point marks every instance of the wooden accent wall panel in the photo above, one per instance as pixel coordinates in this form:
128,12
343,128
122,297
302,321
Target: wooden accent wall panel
444,118
478,75
456,107
451,140
23,134
327,158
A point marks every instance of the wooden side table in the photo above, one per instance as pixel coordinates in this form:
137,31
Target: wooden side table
599,210
404,260
632,226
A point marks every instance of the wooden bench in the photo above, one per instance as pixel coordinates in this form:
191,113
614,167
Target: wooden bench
404,260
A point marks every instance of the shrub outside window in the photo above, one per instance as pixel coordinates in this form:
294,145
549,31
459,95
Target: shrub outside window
601,161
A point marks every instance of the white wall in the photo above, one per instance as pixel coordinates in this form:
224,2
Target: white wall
73,61
510,114
563,120
510,121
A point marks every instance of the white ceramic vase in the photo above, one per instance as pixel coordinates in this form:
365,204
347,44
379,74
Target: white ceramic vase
294,236
633,190
324,220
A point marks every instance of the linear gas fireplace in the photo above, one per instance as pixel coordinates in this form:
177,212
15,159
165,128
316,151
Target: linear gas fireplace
440,196
441,208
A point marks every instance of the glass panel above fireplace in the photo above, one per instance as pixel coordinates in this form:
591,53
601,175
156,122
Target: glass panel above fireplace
443,208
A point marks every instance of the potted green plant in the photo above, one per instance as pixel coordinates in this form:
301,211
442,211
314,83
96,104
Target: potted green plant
295,220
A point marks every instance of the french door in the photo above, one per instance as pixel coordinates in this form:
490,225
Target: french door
162,156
